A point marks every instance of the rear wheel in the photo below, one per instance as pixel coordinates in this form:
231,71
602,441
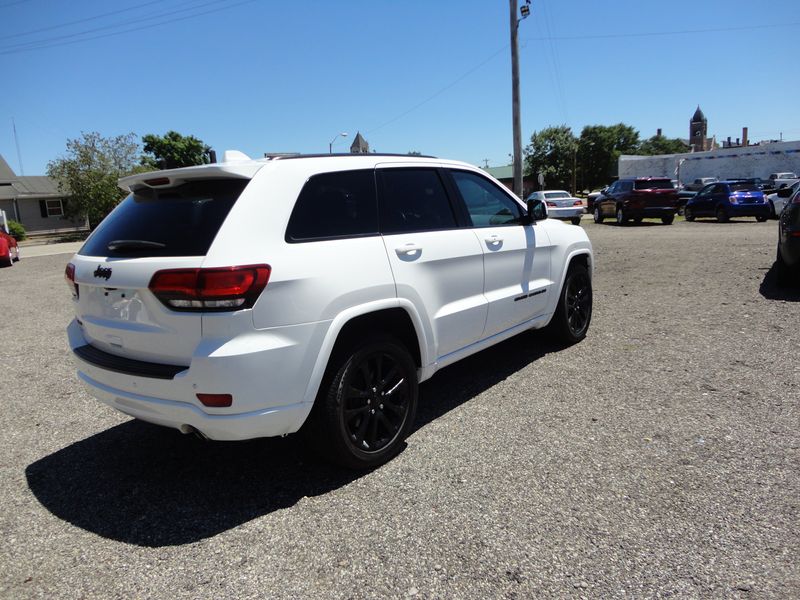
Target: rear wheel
638,220
576,220
366,409
668,220
574,311
761,219
688,214
621,218
782,270
721,215
598,217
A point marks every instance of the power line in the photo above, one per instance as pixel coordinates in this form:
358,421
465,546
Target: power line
660,33
57,40
68,23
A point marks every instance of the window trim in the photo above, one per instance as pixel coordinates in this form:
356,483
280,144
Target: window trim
60,207
462,204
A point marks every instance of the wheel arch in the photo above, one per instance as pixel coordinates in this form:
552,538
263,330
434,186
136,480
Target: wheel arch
395,317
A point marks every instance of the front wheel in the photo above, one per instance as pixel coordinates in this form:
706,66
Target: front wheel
574,311
621,219
598,217
366,410
668,220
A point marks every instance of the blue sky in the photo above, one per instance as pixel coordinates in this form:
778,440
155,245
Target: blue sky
431,76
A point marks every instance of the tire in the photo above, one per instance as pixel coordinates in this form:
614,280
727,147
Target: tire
668,220
365,410
638,220
772,214
782,271
598,217
761,219
576,220
621,219
687,214
721,215
574,311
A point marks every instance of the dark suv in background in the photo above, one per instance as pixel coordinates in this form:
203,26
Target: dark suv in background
637,199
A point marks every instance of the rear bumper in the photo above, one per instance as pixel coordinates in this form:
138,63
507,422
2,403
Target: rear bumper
266,372
748,210
565,213
652,212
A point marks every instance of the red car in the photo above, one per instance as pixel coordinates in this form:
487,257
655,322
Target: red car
9,251
637,199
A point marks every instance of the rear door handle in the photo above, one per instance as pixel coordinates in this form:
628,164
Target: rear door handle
408,250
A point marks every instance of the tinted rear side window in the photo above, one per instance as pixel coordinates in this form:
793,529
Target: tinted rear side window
331,205
178,221
414,200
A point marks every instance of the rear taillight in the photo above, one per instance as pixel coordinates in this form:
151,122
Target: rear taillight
215,289
577,203
69,276
551,204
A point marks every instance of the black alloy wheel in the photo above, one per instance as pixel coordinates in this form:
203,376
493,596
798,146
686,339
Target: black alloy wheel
367,409
574,312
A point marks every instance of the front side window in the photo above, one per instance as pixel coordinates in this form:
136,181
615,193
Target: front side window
486,204
414,200
335,205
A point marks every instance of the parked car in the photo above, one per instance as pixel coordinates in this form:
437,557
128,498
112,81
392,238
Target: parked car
726,199
560,205
776,202
9,249
254,298
787,260
637,199
782,180
591,198
699,183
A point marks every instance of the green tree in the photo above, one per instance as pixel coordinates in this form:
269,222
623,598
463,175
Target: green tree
658,144
173,150
552,153
88,174
599,149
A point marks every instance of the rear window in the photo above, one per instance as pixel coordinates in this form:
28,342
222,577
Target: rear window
653,184
178,221
745,187
556,195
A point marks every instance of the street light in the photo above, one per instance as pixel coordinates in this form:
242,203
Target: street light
330,146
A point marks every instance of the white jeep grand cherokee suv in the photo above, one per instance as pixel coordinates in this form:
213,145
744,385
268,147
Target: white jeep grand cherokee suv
252,298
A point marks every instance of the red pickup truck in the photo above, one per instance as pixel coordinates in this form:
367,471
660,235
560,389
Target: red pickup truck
638,198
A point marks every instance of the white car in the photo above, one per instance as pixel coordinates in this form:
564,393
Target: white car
560,205
776,203
254,298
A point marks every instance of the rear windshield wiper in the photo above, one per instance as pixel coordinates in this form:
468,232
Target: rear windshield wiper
134,245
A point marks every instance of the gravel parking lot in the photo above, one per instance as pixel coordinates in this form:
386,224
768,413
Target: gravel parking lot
659,457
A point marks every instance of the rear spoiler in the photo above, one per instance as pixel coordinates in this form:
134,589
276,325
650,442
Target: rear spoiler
173,177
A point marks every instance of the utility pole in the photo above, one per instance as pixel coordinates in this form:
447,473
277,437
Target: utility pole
512,4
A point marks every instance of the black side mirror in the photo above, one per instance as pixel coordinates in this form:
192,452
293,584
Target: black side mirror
785,192
536,210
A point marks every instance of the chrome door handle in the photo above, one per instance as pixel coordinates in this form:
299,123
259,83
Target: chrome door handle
407,250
